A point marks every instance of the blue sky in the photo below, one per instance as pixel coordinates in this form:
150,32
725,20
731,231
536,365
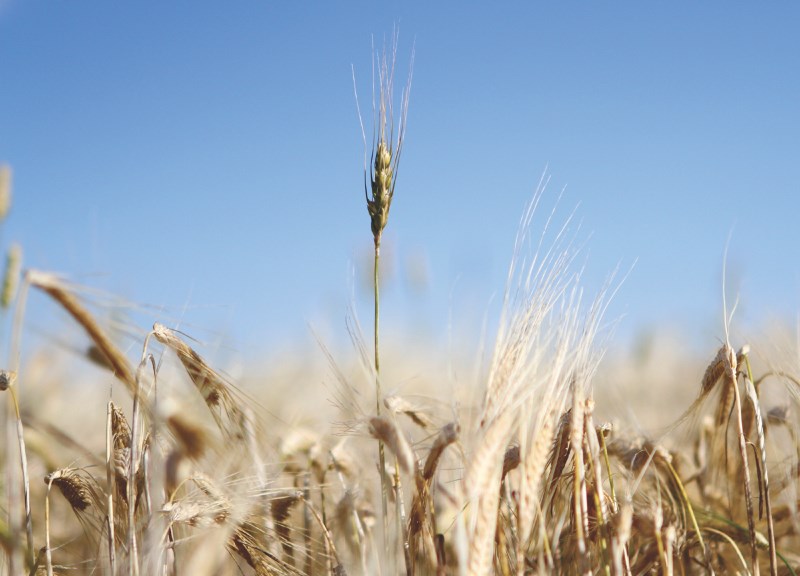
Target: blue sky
204,158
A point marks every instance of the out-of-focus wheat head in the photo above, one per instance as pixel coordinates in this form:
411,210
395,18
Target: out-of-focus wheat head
5,191
11,276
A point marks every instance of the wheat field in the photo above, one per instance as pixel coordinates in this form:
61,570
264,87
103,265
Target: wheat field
130,452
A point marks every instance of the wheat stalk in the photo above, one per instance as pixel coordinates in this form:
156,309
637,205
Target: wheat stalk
385,159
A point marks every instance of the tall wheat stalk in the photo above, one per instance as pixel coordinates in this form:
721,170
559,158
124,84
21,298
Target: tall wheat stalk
387,145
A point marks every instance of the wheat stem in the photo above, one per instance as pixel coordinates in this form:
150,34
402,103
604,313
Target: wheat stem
14,359
752,393
48,553
25,479
110,477
381,451
730,374
690,510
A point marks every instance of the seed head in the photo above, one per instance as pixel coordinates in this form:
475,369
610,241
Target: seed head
7,378
76,486
382,189
387,141
5,191
11,277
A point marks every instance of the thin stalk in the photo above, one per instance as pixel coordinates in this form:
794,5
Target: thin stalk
110,488
309,560
381,454
25,478
690,510
761,540
133,560
12,496
324,519
339,568
548,551
753,393
401,517
733,545
14,360
745,472
376,284
609,472
597,494
47,550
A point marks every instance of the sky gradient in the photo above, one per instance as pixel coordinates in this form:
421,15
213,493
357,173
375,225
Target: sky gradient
204,159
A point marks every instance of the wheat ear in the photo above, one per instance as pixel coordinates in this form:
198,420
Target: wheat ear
53,287
215,390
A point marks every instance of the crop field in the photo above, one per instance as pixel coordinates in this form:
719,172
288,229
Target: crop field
128,449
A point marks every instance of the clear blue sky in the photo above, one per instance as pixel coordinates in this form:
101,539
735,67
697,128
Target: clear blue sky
206,156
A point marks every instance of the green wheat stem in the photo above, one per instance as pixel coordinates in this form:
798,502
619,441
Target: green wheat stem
608,471
379,183
690,509
381,453
376,284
